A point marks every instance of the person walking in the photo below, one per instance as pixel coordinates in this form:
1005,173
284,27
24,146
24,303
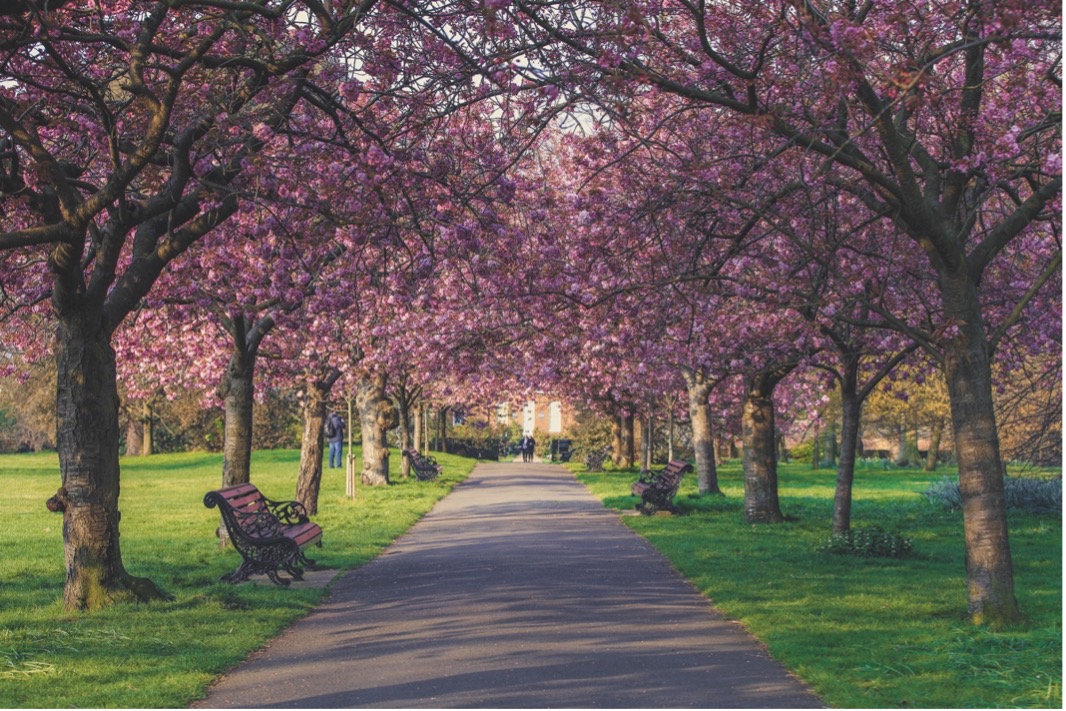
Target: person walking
334,429
528,446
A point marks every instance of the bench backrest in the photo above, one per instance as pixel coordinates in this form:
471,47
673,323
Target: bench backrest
244,506
671,475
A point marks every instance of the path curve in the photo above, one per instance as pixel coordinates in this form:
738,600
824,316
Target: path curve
518,590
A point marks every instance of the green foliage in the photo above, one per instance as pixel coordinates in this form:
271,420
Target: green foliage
865,632
802,453
870,542
590,432
162,655
1029,494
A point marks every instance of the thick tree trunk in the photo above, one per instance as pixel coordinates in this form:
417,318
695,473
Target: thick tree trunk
760,453
904,450
375,413
420,414
406,428
968,371
829,446
134,435
646,437
238,397
699,410
442,429
936,433
309,480
851,406
617,441
148,432
629,452
87,437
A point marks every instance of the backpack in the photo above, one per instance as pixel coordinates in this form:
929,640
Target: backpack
331,429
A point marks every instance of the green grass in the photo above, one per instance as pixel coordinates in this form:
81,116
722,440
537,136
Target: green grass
866,633
163,654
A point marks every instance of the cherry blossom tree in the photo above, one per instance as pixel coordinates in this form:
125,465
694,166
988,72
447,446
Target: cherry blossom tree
943,117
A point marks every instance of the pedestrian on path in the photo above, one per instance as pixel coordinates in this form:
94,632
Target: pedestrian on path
529,445
334,430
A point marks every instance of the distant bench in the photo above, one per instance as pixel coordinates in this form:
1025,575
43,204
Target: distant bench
657,489
268,534
426,468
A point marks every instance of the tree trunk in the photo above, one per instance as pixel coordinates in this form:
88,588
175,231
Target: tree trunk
442,429
699,411
629,452
309,480
760,453
901,436
148,431
134,435
420,415
851,406
375,411
816,449
829,446
935,434
87,437
617,441
408,433
238,397
968,372
646,442
670,433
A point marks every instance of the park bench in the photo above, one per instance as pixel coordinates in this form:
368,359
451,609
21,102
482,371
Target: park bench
268,534
594,460
426,468
657,489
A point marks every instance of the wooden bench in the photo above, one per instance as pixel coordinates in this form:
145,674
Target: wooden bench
426,468
268,534
657,489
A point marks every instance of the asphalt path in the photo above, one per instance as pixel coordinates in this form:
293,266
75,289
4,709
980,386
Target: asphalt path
518,590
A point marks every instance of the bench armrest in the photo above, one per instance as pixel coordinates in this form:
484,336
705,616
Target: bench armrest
288,512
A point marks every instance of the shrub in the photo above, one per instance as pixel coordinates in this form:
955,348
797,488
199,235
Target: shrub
870,542
1035,496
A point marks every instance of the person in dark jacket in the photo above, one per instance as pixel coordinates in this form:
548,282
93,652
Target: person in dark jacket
334,428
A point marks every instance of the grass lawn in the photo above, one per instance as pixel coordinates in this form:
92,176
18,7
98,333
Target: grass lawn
867,633
164,654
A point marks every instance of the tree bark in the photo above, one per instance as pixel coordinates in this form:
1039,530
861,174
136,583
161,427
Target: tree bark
617,441
309,480
851,407
646,437
760,452
968,371
936,433
148,430
134,434
829,446
629,452
238,397
377,415
87,436
901,436
699,410
420,415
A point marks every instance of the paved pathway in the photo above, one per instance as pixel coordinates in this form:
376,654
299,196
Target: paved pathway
519,590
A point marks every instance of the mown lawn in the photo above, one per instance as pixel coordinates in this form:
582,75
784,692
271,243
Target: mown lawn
867,633
164,654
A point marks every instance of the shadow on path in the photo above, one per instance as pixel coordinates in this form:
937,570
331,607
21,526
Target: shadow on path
519,590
